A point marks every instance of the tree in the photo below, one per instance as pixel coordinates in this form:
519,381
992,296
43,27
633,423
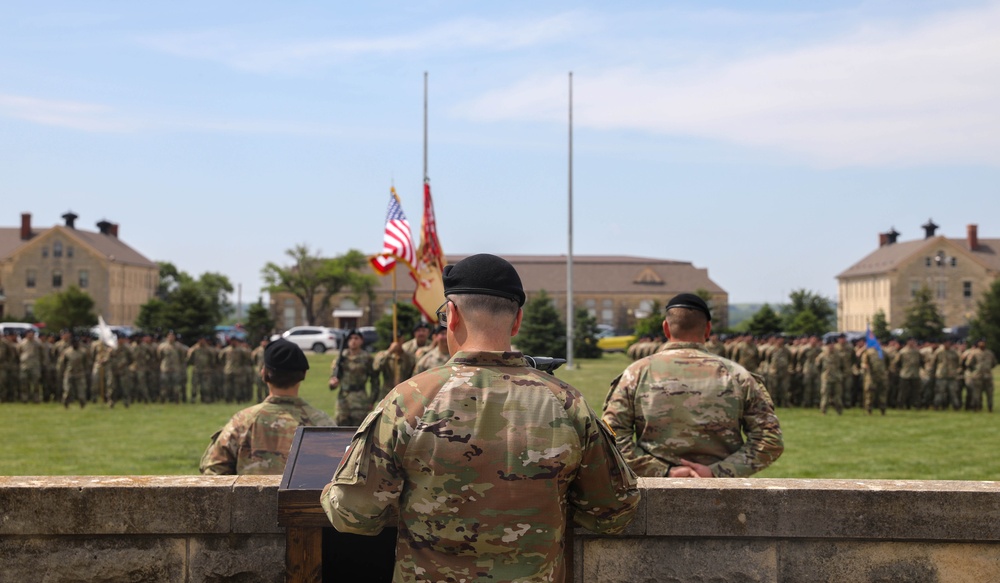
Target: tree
542,330
801,302
765,321
217,288
923,321
72,308
880,327
407,316
651,325
186,311
585,335
259,323
314,279
986,324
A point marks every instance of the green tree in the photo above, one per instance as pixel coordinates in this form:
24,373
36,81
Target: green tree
314,279
651,325
923,321
986,324
216,288
186,311
407,316
259,323
880,327
585,335
821,318
765,321
72,308
542,330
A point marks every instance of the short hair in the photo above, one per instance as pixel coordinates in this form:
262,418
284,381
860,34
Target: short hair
489,305
283,379
683,321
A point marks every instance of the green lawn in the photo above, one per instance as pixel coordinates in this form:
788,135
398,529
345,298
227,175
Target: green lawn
169,439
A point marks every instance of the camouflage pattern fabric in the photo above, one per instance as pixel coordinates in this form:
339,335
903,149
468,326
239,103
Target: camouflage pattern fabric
391,369
687,403
481,461
876,380
353,401
72,368
257,361
257,439
831,375
810,376
432,359
416,350
979,365
30,354
947,366
908,361
201,359
779,370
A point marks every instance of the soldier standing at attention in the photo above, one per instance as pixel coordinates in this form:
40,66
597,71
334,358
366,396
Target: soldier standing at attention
200,358
907,362
946,370
393,366
8,367
683,412
979,364
257,361
436,356
30,355
351,372
810,372
927,375
119,362
72,370
257,439
779,363
172,368
830,364
231,371
876,379
481,460
421,341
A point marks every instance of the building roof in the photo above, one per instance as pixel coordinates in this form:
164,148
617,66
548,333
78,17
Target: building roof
888,257
108,246
596,274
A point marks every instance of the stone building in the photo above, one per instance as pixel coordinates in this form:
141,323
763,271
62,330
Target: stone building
616,290
37,262
957,271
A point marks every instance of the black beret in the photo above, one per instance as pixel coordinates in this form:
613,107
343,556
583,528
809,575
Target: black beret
354,332
484,274
421,325
691,302
284,355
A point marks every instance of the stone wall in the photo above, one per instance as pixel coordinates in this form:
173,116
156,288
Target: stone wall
190,529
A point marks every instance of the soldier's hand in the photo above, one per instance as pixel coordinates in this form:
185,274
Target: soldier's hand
682,472
334,383
699,469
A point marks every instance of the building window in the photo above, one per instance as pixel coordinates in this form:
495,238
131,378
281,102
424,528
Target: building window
30,280
84,278
942,289
56,278
914,288
928,262
591,306
57,249
29,311
69,251
45,252
954,262
967,290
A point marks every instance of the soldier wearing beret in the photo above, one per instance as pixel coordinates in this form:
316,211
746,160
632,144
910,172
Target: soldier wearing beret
420,343
353,372
482,459
257,439
686,412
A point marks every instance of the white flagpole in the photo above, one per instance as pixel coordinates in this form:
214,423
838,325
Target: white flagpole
569,255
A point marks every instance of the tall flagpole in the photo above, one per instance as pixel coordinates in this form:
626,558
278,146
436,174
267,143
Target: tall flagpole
569,255
425,127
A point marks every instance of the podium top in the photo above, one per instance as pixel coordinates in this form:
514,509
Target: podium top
314,456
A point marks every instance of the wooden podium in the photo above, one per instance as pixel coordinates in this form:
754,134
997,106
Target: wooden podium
314,550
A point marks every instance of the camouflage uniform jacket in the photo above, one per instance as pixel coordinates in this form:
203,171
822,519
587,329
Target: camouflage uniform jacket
979,363
686,403
257,439
482,459
432,359
30,354
120,358
907,362
947,363
201,357
356,371
871,363
72,363
416,351
830,363
393,368
779,361
171,357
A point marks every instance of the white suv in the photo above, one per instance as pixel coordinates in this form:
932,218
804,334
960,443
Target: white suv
315,338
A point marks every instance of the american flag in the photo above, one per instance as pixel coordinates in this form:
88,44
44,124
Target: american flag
397,243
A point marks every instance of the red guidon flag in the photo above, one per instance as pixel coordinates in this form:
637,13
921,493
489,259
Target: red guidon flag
397,242
429,294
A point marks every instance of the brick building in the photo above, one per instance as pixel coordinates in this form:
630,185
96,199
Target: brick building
615,289
36,262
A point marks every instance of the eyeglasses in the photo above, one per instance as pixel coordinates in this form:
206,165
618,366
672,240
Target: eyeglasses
442,313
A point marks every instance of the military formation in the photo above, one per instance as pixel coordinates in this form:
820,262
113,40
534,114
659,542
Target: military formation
143,368
835,374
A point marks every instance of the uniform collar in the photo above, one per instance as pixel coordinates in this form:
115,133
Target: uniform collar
489,358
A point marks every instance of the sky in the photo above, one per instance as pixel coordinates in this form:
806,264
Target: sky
769,142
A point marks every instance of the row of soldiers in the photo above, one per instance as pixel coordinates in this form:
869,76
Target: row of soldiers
807,372
140,368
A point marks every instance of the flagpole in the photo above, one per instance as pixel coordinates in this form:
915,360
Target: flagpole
425,127
569,255
395,334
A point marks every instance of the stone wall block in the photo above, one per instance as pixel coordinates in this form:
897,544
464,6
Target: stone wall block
237,559
255,505
666,560
133,559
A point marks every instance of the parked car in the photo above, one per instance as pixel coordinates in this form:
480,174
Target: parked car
315,338
18,328
615,343
370,336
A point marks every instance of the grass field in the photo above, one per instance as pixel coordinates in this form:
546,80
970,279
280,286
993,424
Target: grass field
169,439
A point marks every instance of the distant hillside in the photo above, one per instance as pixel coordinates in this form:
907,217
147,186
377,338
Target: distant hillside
741,312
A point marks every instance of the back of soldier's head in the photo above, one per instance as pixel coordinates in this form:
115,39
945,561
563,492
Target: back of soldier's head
486,288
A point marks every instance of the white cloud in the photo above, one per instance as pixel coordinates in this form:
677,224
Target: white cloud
926,93
66,114
259,55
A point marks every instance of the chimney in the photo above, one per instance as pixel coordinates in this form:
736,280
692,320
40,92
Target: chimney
929,228
104,227
70,218
972,234
25,226
883,239
114,230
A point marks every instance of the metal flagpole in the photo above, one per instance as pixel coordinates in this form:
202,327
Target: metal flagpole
569,255
425,127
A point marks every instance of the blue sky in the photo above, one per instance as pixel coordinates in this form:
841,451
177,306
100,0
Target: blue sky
769,142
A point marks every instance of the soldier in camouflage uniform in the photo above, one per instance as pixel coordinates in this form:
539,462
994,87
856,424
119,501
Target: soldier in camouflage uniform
31,357
908,361
436,356
235,360
200,358
72,368
420,343
947,365
927,375
393,366
715,346
876,379
8,368
172,370
351,372
257,439
100,377
685,412
123,383
810,372
779,369
830,363
979,363
147,369
257,360
481,460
